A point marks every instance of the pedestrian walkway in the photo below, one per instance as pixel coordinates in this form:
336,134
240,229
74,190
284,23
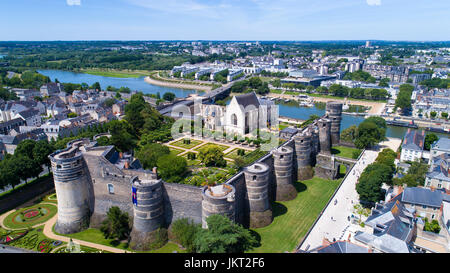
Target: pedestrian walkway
334,222
48,231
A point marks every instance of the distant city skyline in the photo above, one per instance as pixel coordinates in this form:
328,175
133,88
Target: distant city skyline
249,20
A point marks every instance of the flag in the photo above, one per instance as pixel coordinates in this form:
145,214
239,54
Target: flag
134,195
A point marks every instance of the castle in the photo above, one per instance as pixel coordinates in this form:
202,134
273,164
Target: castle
89,179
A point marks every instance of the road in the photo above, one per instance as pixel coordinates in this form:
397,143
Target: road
334,223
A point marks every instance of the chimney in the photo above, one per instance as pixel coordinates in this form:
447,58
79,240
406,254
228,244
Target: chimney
120,155
154,170
127,165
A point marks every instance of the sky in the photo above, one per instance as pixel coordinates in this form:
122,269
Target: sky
252,20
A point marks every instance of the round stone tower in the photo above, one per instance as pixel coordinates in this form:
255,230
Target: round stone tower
218,200
334,111
324,125
315,144
72,186
283,157
303,153
148,213
257,183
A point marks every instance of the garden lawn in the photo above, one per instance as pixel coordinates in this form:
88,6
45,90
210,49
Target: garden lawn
293,219
194,162
175,151
283,125
12,222
221,147
167,248
115,73
345,151
233,154
180,144
276,91
94,235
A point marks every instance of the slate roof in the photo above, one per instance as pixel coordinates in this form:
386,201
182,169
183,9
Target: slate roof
29,113
12,122
392,227
442,144
36,134
341,247
422,196
248,99
414,140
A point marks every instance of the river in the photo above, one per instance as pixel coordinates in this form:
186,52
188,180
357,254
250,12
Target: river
139,84
135,84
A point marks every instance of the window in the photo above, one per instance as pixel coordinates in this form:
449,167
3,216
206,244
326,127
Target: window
111,188
424,206
234,119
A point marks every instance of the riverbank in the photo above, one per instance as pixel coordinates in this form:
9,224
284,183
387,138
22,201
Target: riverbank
376,108
116,73
153,79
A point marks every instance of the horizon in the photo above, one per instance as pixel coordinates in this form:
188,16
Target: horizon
200,40
232,20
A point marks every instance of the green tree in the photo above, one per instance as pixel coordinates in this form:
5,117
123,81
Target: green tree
171,167
212,156
349,134
430,139
432,227
369,187
41,150
25,148
149,154
103,141
109,102
96,86
121,137
384,82
403,100
9,173
133,111
369,134
116,225
433,114
184,231
223,236
169,96
72,115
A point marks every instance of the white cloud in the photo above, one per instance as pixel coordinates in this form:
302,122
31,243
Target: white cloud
373,2
73,2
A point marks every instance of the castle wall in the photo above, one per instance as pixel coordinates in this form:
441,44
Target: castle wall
182,201
103,173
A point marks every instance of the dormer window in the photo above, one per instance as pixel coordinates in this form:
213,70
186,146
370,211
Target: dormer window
111,188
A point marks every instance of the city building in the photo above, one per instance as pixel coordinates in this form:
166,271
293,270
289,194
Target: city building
412,146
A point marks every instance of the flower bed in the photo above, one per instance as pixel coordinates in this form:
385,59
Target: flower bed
12,236
30,216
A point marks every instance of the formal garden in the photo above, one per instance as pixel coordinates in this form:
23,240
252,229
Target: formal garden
31,216
31,239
